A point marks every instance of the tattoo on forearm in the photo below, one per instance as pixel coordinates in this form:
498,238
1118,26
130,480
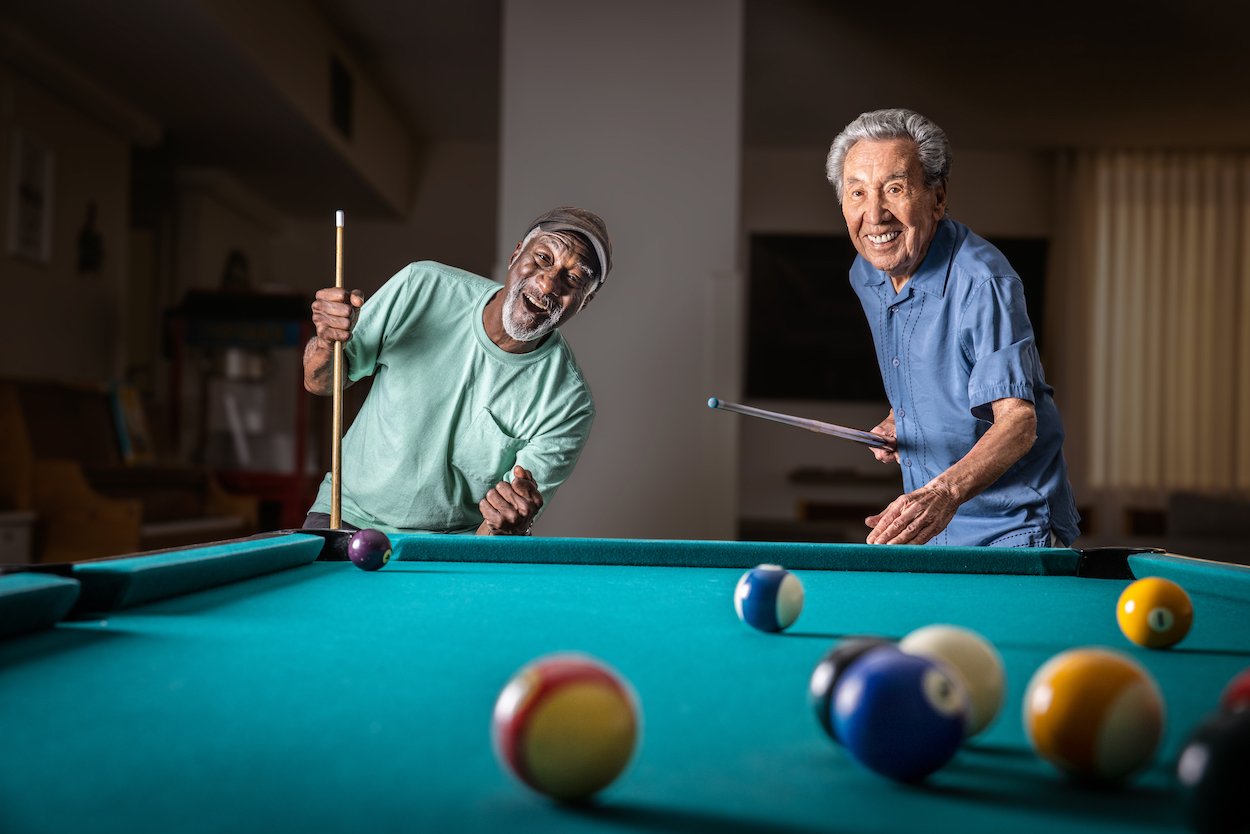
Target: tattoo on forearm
317,370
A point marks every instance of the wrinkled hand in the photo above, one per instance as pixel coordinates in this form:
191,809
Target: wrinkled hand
886,429
334,313
913,518
509,508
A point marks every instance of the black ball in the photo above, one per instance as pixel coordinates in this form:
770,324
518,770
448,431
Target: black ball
1212,771
830,671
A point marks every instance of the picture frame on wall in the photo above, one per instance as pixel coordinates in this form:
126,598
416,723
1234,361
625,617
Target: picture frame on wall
30,199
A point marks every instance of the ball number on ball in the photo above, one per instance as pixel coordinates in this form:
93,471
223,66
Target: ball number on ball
1154,612
900,715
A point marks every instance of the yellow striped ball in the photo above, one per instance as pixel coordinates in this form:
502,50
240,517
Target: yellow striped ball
566,725
1094,713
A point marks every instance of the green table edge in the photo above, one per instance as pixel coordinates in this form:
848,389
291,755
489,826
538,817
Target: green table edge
736,554
111,584
1202,576
31,601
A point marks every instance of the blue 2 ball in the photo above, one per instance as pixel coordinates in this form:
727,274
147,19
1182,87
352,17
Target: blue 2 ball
900,715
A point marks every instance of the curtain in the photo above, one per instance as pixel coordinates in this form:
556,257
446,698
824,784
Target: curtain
1151,302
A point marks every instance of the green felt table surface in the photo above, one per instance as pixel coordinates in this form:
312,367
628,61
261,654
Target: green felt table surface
322,698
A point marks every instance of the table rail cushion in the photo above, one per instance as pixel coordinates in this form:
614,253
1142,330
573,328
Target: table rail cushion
1220,579
110,584
729,554
31,601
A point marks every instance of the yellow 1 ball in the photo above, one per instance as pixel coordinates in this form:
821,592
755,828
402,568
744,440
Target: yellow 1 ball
1154,612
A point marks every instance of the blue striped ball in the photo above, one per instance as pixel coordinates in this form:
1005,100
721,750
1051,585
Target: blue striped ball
768,597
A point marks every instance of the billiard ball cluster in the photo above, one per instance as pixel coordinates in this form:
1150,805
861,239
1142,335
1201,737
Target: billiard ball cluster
903,710
567,725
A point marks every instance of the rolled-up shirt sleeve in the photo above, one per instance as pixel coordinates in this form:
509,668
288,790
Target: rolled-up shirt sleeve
997,341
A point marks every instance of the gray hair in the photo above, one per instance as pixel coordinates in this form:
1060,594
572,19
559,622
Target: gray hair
931,142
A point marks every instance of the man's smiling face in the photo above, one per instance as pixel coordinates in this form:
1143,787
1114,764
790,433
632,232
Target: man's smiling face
890,213
550,279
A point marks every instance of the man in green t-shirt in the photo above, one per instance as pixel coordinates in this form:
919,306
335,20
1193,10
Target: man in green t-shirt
478,410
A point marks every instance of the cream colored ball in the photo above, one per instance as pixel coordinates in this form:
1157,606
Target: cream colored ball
975,662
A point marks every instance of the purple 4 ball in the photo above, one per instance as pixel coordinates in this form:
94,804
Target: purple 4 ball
369,549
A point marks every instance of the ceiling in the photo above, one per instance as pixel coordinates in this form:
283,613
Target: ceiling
1054,74
1057,74
1152,73
437,62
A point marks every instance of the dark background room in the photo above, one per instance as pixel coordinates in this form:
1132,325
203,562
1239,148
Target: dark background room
170,170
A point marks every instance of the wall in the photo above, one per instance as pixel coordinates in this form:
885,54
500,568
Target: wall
67,325
642,127
218,216
291,44
452,220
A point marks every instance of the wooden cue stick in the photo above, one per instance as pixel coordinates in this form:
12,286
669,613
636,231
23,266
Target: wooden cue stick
831,429
336,454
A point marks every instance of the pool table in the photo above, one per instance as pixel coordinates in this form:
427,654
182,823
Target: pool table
264,685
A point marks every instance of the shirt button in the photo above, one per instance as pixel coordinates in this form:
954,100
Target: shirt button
907,462
902,412
894,309
895,362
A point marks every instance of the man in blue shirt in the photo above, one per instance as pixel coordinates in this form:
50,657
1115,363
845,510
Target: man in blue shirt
975,426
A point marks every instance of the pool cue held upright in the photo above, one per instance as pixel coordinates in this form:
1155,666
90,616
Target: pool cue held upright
831,429
336,454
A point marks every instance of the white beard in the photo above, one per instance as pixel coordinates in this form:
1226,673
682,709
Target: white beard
514,310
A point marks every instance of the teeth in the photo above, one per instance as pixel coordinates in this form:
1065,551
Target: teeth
532,300
885,238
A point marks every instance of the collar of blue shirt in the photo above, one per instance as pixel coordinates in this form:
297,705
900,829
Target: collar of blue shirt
931,277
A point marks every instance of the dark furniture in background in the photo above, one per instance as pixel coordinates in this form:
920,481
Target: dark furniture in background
64,460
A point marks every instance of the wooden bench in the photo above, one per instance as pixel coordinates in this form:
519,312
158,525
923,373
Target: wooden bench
63,460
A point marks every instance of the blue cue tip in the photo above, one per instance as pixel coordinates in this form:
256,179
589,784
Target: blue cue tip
712,402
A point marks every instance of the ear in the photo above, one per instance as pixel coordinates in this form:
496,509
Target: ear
589,296
939,200
515,252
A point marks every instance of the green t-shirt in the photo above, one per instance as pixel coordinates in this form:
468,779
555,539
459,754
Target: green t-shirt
450,412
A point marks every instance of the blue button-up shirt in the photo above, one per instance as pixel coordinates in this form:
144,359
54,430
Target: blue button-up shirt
956,338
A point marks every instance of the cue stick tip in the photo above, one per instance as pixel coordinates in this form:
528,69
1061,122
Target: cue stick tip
712,402
338,218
